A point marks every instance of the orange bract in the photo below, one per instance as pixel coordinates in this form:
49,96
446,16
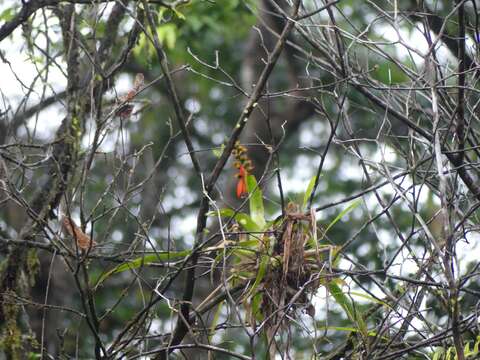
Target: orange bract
244,166
84,242
242,182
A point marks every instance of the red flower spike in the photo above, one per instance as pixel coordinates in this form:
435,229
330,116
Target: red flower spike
242,172
242,182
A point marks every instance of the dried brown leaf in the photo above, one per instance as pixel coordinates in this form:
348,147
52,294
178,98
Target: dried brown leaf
84,242
139,81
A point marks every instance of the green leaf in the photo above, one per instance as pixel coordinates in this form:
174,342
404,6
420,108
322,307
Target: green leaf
257,212
245,221
241,252
245,274
371,298
389,73
338,328
343,213
217,152
162,12
249,244
216,317
256,303
475,347
449,354
167,34
437,354
347,306
179,14
7,14
309,190
141,261
145,51
262,269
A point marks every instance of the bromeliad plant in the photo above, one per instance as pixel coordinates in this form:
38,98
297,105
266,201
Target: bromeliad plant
281,263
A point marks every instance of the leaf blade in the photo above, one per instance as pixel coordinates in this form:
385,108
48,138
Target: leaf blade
243,219
347,306
345,211
262,269
309,191
257,212
144,260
